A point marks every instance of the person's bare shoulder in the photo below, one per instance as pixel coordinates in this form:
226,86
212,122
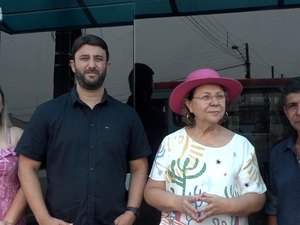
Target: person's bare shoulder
16,133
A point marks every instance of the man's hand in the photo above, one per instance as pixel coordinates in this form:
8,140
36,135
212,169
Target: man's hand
126,218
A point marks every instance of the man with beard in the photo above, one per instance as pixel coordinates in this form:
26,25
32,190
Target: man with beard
86,139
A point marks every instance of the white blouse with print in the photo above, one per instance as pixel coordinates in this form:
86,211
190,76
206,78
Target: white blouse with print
189,168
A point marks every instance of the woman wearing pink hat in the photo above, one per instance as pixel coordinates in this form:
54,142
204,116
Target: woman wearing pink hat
205,173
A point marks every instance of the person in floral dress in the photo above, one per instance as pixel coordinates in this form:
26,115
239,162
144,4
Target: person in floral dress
204,173
12,199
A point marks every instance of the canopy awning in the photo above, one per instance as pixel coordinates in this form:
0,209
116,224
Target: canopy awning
19,16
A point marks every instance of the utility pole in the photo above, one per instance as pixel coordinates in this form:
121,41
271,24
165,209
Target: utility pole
246,59
247,63
272,71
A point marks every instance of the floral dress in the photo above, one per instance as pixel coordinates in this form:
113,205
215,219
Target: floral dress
9,182
189,168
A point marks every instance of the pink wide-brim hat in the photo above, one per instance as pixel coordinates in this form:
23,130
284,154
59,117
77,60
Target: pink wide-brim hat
201,77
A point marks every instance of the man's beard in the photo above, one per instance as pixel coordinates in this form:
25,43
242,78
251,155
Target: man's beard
87,84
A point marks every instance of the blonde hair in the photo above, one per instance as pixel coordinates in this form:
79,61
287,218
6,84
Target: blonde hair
4,122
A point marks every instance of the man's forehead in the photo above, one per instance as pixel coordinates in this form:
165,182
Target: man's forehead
295,96
91,50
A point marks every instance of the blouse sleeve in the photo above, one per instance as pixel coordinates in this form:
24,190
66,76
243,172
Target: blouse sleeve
159,167
250,179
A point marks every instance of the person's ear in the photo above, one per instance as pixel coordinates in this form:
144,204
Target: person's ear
285,111
188,105
108,65
72,65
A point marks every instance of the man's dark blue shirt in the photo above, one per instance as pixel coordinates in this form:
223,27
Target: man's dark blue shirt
86,152
285,182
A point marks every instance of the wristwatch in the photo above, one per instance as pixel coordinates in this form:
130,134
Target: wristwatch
135,210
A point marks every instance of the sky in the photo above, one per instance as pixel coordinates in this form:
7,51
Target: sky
172,47
176,46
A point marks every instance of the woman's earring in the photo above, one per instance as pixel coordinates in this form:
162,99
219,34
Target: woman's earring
224,119
189,118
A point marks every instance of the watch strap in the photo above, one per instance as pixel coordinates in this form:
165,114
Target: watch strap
135,210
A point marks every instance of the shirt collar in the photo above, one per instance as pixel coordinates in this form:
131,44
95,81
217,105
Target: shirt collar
291,142
76,100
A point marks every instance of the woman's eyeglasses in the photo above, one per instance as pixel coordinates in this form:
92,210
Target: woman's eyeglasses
209,97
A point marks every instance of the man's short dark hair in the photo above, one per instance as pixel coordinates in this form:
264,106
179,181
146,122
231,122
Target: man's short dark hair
291,86
89,39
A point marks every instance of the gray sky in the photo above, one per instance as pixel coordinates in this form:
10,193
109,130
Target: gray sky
176,46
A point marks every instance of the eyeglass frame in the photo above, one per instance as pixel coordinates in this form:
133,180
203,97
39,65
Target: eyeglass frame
208,98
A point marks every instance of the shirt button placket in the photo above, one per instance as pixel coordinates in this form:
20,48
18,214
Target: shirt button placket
92,178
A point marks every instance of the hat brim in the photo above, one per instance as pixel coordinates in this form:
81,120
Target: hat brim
232,87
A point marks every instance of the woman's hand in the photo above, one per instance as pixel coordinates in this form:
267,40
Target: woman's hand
238,206
216,205
186,205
